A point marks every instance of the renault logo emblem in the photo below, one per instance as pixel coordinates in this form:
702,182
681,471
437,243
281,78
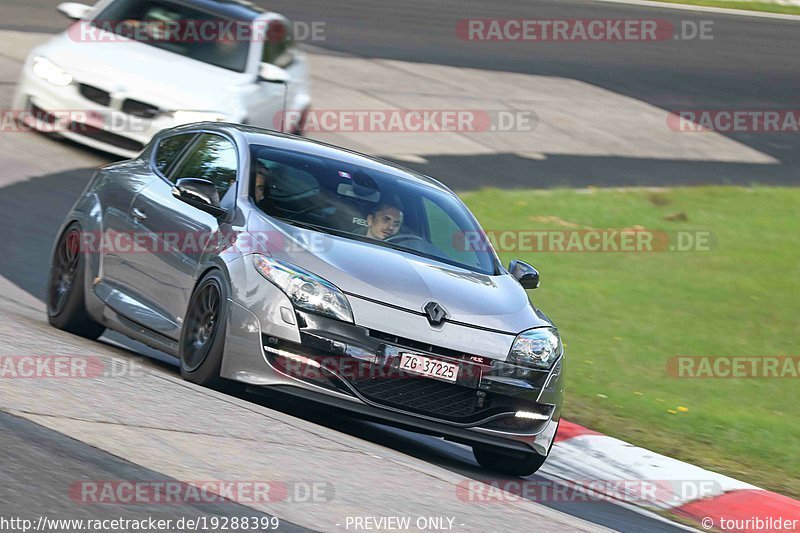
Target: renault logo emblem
435,313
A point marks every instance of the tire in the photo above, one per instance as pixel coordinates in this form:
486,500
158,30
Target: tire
66,303
202,341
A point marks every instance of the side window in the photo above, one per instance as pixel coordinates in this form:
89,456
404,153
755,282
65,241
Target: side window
212,158
279,44
169,148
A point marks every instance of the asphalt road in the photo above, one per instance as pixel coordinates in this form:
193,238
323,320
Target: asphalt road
750,64
40,466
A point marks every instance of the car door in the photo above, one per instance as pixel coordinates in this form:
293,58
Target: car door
265,104
178,232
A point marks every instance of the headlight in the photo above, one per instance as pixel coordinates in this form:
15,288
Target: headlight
47,70
304,289
188,117
536,348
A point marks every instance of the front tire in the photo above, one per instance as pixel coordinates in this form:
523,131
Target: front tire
66,304
203,335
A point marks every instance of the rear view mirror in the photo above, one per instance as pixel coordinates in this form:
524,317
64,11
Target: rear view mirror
199,193
74,10
527,276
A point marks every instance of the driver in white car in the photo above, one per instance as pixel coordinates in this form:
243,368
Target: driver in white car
384,222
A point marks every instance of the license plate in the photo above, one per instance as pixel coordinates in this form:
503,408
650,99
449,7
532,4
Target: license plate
425,366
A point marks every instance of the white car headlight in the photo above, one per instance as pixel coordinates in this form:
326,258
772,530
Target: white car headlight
536,348
304,289
188,117
49,71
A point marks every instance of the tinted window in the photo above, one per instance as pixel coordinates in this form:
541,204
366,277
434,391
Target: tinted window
212,158
169,148
370,205
179,29
278,45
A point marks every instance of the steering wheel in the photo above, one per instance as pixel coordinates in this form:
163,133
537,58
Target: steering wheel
404,237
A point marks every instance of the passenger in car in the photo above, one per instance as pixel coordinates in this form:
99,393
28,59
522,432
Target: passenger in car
384,221
262,173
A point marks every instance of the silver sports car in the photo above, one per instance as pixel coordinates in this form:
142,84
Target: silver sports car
300,267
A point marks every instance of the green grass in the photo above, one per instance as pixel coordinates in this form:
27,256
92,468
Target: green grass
749,6
624,315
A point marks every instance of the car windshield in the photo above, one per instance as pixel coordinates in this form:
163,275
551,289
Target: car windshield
369,205
176,28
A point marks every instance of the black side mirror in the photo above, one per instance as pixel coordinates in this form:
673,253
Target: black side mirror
199,193
527,276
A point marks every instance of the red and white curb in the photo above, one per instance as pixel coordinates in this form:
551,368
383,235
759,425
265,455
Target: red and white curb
711,500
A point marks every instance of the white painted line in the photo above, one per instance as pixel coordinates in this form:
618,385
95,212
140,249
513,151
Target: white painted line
705,9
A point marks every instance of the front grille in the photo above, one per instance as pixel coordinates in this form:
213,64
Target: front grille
140,109
384,384
427,396
98,96
107,137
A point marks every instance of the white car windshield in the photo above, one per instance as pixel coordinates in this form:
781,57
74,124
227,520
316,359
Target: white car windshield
177,28
370,205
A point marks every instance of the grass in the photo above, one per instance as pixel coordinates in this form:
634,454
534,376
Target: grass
766,7
624,315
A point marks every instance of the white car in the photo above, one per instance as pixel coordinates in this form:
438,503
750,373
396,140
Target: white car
117,76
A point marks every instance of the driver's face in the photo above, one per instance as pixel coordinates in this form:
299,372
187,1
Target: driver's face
261,183
385,223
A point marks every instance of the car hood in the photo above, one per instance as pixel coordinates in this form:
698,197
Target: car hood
146,73
407,281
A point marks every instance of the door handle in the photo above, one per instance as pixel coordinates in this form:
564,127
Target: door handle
138,214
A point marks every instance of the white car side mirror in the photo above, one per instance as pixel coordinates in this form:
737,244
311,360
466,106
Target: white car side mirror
270,73
74,10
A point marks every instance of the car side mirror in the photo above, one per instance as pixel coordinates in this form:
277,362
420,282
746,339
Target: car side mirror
527,276
199,193
74,10
273,74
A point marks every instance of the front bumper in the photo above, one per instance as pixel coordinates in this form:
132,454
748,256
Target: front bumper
65,111
356,368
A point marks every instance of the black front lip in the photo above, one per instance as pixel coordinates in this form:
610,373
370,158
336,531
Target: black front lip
400,420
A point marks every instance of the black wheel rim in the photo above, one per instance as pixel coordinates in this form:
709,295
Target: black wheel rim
201,325
64,271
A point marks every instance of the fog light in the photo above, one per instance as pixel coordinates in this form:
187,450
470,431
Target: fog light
531,416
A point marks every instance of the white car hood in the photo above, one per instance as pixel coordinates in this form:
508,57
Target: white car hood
146,73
